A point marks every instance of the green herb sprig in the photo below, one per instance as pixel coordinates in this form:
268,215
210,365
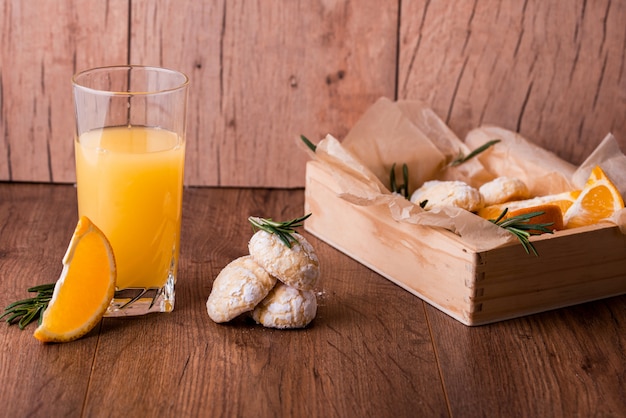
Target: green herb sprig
521,227
308,143
25,311
284,230
460,159
402,189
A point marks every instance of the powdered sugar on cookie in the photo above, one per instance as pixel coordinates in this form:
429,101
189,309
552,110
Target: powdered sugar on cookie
297,266
239,287
286,307
438,193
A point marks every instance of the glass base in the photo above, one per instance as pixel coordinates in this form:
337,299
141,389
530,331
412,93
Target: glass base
135,301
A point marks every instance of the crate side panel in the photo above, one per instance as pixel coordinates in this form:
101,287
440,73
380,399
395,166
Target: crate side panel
515,306
565,260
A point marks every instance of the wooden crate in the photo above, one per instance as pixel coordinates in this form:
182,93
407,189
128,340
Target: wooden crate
474,287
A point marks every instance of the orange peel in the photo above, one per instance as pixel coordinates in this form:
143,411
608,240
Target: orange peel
84,289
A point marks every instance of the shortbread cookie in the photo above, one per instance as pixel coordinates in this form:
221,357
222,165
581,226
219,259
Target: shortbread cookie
503,189
239,287
439,193
297,266
286,307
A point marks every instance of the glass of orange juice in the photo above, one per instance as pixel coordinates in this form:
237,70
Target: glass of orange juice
130,154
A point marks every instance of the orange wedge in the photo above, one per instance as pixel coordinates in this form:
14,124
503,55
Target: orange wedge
551,215
598,200
84,289
562,200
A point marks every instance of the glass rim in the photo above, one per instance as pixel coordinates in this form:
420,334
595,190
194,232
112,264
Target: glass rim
129,67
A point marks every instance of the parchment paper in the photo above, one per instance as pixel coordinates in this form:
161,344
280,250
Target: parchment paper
409,132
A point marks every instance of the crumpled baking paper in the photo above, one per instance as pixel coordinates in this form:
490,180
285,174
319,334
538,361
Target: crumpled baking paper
408,132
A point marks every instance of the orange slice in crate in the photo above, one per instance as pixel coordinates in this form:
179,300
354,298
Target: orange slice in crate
84,289
562,200
598,200
551,215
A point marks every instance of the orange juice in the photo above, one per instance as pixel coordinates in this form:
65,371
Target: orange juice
131,185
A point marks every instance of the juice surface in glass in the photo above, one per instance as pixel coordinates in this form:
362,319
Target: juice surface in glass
130,184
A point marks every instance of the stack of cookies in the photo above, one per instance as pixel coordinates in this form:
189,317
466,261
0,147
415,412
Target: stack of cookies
274,284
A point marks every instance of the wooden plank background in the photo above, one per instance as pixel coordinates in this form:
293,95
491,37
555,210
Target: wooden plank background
265,72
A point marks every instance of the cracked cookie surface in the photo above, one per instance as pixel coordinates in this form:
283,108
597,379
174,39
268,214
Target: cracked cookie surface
286,307
297,266
238,288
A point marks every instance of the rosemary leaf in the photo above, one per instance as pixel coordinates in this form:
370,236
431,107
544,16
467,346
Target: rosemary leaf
405,177
522,228
26,311
284,230
308,143
462,158
48,287
402,189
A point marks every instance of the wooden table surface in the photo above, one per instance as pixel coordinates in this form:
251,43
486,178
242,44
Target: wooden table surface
374,350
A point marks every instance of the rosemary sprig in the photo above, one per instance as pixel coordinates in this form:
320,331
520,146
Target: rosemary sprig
308,143
460,159
521,227
402,189
26,311
284,230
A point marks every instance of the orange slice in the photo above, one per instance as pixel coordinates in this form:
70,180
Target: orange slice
84,289
562,200
551,215
598,200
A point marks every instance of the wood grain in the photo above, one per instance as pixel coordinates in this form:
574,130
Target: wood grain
42,46
373,350
556,364
261,73
265,72
27,258
553,71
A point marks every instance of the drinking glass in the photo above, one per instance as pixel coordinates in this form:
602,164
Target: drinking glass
130,153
